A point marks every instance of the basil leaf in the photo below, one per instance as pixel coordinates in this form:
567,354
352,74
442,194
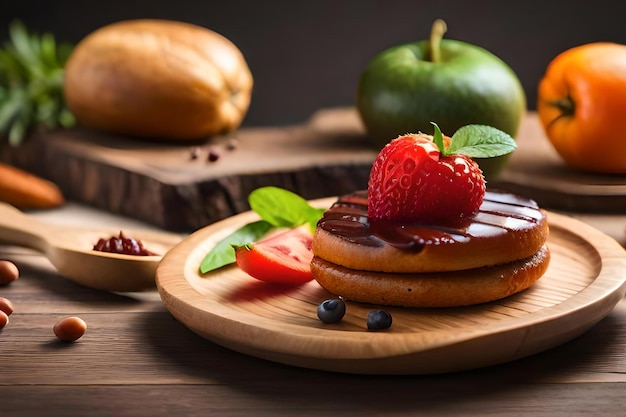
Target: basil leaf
277,207
224,254
314,215
481,141
281,207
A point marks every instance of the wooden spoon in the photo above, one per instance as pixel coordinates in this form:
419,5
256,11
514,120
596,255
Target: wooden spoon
70,250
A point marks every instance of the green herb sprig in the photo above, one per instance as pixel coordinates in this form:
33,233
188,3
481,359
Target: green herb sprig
31,83
475,141
276,207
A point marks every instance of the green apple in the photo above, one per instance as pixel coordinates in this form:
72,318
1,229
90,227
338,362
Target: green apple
452,83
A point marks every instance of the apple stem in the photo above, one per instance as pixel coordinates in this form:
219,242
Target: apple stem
436,34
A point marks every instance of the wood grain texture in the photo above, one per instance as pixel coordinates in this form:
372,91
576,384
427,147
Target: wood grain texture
137,360
582,285
334,396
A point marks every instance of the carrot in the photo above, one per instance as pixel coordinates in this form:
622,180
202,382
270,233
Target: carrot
27,191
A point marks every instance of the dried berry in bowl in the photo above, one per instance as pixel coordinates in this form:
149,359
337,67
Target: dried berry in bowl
122,244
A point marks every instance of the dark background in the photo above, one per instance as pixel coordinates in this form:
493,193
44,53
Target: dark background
307,55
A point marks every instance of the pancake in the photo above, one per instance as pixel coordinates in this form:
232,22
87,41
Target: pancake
507,228
437,289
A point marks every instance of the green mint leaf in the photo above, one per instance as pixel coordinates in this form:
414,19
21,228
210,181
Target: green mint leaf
223,252
480,141
438,138
282,208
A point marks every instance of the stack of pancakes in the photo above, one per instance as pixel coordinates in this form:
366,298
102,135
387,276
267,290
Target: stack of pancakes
499,252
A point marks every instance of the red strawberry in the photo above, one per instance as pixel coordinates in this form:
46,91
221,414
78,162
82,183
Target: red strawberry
416,178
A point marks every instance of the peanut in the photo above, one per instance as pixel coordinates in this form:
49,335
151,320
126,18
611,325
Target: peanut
8,272
4,319
70,329
6,306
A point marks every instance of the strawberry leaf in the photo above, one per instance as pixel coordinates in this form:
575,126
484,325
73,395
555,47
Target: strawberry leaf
480,141
438,138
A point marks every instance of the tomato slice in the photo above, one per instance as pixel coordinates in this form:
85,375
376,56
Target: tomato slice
283,258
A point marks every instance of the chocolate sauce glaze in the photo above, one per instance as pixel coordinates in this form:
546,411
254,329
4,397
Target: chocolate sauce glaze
500,213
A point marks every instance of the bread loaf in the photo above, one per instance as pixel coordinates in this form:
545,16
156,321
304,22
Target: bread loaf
158,79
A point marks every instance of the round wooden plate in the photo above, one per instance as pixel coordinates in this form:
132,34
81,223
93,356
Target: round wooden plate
584,282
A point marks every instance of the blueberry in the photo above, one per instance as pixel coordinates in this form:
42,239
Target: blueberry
378,320
331,310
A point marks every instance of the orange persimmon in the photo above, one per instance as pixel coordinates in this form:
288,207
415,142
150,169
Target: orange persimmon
582,106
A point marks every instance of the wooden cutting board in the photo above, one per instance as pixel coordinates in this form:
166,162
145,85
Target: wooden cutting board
161,184
536,170
328,155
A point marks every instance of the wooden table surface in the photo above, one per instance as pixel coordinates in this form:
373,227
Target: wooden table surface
136,360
